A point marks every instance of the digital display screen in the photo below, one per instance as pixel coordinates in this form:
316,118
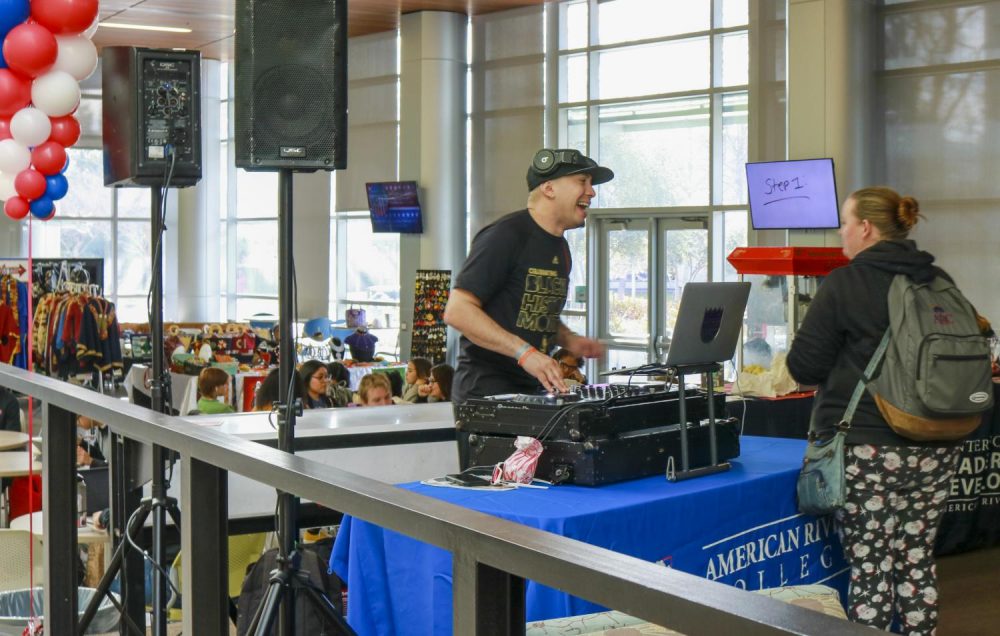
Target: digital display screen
793,195
394,207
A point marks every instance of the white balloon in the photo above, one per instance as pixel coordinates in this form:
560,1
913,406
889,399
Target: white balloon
7,186
77,56
56,93
30,126
14,156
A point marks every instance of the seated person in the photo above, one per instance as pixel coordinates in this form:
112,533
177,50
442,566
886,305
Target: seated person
570,365
418,374
10,411
88,450
375,390
439,388
213,385
268,391
315,379
338,390
396,385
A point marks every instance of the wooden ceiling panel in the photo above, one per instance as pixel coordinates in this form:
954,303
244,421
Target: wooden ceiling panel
212,21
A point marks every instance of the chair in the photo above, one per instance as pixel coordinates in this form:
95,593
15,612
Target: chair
14,545
244,550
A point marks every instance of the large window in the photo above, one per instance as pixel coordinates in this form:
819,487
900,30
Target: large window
364,266
248,204
94,221
366,275
657,90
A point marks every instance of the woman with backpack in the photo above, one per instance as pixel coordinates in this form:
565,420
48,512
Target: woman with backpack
896,487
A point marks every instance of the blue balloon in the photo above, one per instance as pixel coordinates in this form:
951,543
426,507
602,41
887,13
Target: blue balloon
56,186
12,13
42,207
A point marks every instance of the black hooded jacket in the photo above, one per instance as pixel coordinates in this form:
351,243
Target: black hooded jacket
841,331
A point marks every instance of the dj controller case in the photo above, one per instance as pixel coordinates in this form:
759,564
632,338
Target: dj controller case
598,435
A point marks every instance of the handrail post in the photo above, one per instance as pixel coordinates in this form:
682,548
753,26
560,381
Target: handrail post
126,496
59,520
204,547
486,601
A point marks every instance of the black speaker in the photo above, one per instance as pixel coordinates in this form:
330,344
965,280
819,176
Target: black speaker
290,105
151,103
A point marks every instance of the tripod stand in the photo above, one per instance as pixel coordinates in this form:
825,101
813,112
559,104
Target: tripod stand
288,579
166,505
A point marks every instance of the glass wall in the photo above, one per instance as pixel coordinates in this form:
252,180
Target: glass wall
657,90
94,221
248,221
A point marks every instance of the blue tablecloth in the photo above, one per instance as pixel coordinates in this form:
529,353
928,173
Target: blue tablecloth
740,528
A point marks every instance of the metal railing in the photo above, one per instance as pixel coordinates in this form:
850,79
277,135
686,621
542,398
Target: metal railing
492,557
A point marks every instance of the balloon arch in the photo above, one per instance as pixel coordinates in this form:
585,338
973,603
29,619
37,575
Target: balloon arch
47,52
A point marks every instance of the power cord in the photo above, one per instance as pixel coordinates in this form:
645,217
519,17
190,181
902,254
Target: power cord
743,398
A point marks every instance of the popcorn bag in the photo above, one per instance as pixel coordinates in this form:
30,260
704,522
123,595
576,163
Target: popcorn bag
520,466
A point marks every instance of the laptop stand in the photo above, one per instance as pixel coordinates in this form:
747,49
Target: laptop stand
686,472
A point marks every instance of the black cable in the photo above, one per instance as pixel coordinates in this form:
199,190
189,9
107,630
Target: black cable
743,397
146,556
168,175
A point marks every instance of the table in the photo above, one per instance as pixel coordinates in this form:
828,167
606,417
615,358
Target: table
394,443
740,528
783,416
97,542
15,464
86,534
12,439
972,518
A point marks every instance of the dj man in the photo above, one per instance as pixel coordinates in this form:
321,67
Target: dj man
508,296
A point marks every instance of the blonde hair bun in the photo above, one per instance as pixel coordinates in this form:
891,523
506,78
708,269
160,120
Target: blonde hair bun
908,212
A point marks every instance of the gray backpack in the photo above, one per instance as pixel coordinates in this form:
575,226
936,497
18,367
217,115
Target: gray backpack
934,383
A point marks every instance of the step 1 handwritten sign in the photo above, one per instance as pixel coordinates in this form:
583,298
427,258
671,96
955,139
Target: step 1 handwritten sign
798,194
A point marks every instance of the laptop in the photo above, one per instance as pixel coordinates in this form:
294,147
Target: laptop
708,323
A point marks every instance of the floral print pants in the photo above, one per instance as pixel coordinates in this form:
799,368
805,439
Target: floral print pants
895,498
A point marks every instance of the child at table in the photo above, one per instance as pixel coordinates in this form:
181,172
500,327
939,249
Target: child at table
418,374
375,390
213,385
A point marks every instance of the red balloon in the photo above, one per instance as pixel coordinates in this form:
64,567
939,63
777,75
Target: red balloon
16,208
15,92
64,17
65,130
30,49
5,128
30,184
48,158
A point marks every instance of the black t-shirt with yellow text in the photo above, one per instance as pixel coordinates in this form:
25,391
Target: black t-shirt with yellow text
520,274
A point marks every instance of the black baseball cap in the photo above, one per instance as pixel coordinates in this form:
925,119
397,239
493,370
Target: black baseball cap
552,163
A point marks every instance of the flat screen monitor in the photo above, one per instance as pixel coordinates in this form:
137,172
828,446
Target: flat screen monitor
394,207
793,195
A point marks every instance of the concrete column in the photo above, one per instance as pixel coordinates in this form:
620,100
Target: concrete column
432,148
311,236
831,87
192,267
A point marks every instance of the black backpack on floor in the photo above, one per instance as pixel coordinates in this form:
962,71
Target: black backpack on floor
309,620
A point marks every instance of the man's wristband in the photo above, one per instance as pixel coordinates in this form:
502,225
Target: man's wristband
525,351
